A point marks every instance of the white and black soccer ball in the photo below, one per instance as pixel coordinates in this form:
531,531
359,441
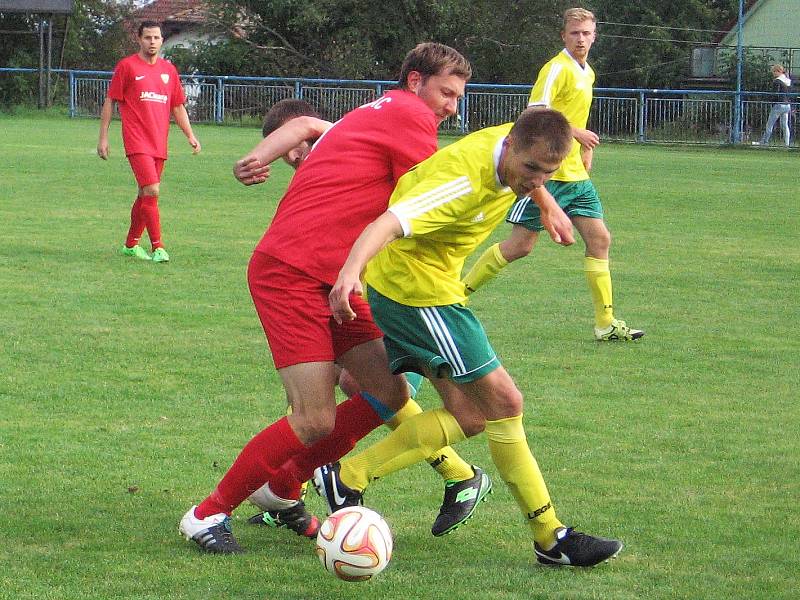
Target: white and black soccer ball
354,543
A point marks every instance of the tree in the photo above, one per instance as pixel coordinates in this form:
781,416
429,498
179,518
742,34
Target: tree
652,45
357,39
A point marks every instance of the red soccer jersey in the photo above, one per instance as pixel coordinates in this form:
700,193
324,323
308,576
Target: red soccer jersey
345,182
146,95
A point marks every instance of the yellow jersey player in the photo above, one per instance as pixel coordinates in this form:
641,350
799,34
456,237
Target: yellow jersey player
565,84
439,213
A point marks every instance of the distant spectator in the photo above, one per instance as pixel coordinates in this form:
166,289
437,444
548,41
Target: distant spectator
782,107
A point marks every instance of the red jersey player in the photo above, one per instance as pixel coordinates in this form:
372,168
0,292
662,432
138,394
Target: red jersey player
445,461
148,90
343,184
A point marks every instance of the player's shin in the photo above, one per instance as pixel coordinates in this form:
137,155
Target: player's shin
445,461
513,458
355,418
599,278
413,441
485,268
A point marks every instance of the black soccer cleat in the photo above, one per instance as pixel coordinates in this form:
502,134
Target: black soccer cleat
335,493
461,498
213,534
296,518
576,549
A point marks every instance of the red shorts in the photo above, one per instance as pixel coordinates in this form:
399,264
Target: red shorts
146,169
293,308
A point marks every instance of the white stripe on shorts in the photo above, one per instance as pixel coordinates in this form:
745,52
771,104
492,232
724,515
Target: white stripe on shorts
518,209
444,341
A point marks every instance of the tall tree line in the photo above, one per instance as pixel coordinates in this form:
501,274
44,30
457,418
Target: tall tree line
506,40
641,43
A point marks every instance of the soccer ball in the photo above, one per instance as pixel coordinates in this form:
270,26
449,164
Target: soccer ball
354,543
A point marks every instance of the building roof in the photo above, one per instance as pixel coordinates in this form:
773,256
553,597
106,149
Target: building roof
172,11
174,15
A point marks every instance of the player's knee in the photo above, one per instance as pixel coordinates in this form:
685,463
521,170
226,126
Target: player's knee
508,404
471,424
312,427
606,238
150,190
393,393
514,249
599,243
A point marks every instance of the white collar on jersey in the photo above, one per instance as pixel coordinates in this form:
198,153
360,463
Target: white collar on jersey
577,64
496,154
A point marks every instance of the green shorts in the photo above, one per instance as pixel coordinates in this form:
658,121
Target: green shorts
576,198
414,381
445,341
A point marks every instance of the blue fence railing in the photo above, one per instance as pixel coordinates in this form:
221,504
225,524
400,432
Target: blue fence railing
624,114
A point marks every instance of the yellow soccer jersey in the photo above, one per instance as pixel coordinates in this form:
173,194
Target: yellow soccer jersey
447,205
565,86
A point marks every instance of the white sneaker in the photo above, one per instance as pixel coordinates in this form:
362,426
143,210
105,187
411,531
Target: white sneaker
212,534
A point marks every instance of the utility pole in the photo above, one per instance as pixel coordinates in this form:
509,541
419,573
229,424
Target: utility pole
737,103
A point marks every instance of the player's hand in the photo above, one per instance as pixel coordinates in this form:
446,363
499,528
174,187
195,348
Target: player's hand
559,227
586,138
554,220
339,298
250,170
195,144
102,149
557,224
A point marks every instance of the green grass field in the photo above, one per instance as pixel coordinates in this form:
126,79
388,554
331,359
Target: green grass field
127,388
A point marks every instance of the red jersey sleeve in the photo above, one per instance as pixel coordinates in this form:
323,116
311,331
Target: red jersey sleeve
120,78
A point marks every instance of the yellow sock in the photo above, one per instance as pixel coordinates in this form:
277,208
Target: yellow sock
599,278
413,441
518,468
444,461
487,266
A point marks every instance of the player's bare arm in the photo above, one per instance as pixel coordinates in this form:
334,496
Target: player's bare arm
587,154
554,220
253,168
182,119
376,235
105,121
586,138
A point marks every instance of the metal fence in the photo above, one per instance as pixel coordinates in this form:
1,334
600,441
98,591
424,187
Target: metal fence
632,115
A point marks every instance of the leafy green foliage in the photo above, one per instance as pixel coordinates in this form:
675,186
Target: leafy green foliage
653,57
756,74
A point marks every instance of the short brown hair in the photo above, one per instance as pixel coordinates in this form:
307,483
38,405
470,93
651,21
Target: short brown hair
147,25
536,123
286,110
431,58
579,15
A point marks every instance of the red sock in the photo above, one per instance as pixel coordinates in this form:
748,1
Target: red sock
355,418
257,461
137,224
152,220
